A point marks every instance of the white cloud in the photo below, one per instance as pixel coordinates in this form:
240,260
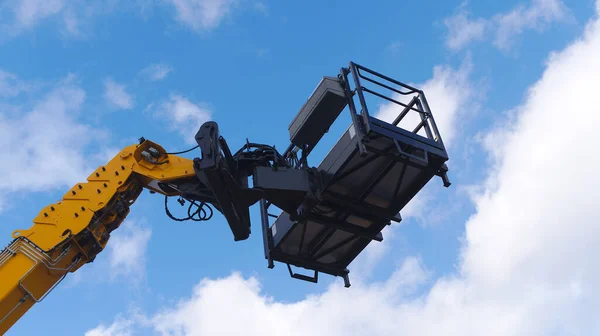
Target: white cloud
183,115
120,327
29,12
46,141
447,92
395,46
24,15
75,16
127,250
462,30
156,72
214,302
72,22
123,262
11,85
115,95
506,27
261,7
536,16
527,263
202,15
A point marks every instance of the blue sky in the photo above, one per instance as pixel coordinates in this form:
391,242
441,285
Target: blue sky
504,251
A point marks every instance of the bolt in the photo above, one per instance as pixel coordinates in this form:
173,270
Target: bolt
105,185
76,215
82,208
45,214
73,192
97,175
122,167
98,190
103,169
116,173
80,187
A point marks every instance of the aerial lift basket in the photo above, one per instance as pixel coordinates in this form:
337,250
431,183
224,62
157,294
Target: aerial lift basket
365,180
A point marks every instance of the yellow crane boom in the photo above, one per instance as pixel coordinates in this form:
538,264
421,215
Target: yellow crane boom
71,232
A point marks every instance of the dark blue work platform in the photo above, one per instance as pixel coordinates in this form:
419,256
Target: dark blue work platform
364,181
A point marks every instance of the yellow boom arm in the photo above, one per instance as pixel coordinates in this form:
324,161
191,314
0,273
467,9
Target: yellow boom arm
71,232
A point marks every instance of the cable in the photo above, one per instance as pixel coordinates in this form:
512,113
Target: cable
199,215
199,208
185,151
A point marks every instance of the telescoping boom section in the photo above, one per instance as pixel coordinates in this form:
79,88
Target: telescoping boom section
313,217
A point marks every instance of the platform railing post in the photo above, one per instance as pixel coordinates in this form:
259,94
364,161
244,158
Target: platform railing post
433,124
358,127
425,115
361,97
